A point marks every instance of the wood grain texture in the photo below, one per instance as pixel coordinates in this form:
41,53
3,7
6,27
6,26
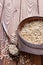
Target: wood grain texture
36,59
41,7
1,6
1,29
8,62
1,36
28,8
11,15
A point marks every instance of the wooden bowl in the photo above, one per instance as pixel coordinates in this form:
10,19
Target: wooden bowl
26,46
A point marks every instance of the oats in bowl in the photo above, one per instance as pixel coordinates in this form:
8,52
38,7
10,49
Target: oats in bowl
33,32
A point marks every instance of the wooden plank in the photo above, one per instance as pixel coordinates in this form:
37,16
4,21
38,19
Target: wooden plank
1,36
1,6
1,60
28,8
11,15
8,62
41,7
36,59
1,29
41,60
